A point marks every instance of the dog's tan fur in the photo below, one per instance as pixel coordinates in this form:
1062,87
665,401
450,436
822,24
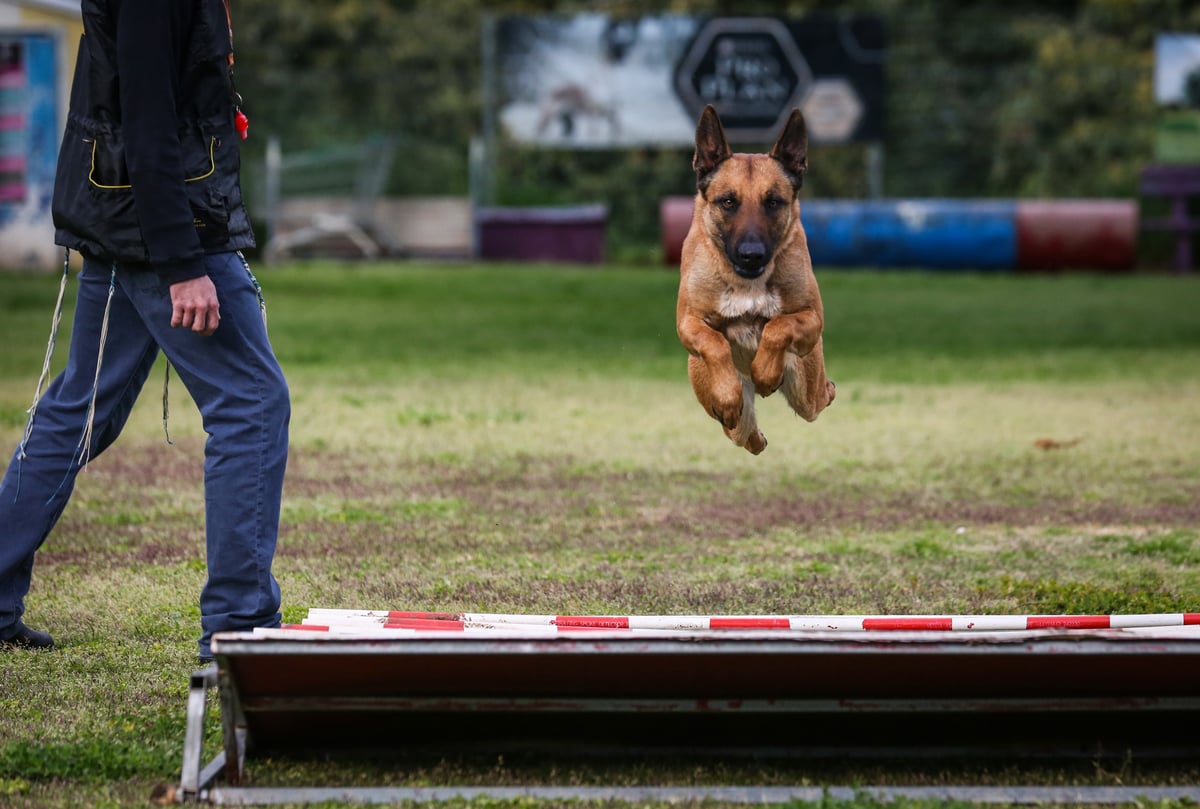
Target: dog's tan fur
759,334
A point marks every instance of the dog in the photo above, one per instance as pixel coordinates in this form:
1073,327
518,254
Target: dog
749,311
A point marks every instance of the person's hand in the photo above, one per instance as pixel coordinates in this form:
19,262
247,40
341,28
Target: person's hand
194,305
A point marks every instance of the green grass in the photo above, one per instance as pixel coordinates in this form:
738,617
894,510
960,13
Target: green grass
524,439
888,327
1176,136
353,321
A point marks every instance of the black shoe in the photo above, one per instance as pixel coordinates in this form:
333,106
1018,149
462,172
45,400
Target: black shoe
204,660
27,638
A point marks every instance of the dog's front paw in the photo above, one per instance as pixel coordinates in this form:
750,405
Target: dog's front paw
728,414
767,373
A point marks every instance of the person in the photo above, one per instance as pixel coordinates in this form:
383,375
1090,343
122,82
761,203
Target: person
148,191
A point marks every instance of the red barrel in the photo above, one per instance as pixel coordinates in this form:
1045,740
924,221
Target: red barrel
1089,234
674,217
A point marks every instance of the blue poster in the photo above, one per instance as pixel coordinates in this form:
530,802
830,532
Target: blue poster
29,124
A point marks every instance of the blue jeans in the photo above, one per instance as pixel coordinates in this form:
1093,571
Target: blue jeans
242,396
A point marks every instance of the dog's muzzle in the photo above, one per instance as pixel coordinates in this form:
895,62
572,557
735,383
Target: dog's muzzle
750,259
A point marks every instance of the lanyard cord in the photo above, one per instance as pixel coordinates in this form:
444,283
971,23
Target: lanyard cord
229,22
240,121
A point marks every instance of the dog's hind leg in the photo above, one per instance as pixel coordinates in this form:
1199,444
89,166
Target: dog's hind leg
805,386
746,433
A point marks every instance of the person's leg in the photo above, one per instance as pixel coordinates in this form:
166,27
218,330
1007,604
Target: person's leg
36,488
237,384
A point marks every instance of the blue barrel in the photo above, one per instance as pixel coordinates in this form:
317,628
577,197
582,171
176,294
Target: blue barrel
932,233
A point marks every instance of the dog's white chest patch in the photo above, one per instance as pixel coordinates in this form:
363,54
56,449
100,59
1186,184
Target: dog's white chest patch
756,302
746,311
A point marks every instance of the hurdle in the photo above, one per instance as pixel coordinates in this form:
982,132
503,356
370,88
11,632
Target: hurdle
356,685
400,619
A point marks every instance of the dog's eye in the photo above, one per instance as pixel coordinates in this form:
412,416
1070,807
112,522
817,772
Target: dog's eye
772,203
728,203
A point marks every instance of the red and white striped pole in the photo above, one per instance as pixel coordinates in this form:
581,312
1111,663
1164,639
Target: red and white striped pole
442,621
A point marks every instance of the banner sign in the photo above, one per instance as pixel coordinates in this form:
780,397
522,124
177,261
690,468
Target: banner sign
1177,91
597,81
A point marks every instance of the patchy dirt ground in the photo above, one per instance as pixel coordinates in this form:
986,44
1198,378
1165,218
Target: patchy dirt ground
549,534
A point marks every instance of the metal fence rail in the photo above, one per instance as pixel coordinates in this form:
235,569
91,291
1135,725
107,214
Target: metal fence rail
354,175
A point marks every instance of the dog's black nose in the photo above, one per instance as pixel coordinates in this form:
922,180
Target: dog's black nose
751,259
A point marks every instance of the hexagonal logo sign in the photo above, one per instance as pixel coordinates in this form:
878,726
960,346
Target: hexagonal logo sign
750,70
832,111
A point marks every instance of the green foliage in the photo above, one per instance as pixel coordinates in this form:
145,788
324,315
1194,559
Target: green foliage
984,99
340,70
1096,136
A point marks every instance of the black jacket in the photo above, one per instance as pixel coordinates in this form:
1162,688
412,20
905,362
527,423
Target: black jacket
148,170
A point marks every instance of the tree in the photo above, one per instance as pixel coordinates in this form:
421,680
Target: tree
1024,98
340,70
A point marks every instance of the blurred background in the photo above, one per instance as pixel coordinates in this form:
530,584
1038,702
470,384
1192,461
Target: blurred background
429,127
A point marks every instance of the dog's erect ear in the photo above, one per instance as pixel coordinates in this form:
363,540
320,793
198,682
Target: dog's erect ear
791,150
711,147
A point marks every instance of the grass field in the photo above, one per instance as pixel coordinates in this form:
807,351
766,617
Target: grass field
516,439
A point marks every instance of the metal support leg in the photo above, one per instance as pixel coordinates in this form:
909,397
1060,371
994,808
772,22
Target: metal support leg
190,782
233,729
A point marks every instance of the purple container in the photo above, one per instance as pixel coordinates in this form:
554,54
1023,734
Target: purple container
569,234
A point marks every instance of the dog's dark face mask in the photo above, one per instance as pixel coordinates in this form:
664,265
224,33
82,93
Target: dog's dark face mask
752,196
751,220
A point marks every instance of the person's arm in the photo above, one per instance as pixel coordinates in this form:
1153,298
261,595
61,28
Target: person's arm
152,37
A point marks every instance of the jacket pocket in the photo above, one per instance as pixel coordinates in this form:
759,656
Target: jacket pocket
100,220
108,169
210,217
109,172
200,156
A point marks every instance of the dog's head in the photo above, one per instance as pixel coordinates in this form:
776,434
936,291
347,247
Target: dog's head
750,199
